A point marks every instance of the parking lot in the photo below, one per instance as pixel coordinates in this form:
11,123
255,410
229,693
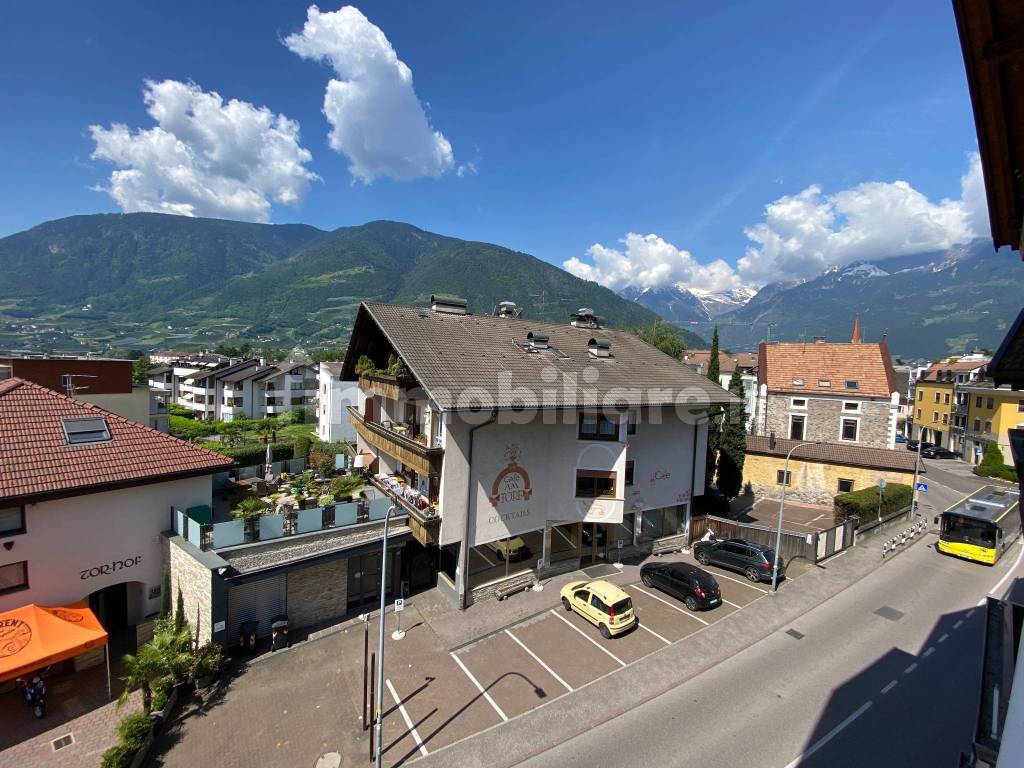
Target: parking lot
309,698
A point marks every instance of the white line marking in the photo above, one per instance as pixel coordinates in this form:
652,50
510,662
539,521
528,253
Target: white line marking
728,602
408,720
718,575
970,613
890,686
910,669
1008,574
666,641
587,637
830,735
480,688
928,651
944,638
538,659
673,607
958,624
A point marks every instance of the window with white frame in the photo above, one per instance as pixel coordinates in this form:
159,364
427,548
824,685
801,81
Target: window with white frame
849,430
798,402
796,427
851,406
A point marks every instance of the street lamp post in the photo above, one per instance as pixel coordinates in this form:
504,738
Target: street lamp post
379,704
917,468
782,508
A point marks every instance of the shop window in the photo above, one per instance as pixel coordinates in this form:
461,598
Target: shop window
629,472
12,520
667,521
449,560
783,477
13,577
592,484
504,557
565,543
597,426
845,486
623,531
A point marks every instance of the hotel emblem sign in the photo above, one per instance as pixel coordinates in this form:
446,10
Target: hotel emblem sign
512,483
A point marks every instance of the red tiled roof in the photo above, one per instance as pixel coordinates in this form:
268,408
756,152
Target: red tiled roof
35,458
726,363
957,366
898,459
867,364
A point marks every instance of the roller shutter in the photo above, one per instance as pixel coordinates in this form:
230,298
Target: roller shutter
256,601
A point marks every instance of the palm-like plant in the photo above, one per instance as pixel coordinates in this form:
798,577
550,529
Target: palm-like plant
140,671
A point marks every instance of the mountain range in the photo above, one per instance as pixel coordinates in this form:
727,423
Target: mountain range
142,280
925,305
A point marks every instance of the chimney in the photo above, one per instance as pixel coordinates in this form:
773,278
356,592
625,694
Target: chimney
599,347
584,317
536,341
508,309
448,305
819,339
855,339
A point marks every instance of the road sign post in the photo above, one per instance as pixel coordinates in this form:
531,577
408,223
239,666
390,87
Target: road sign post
537,586
881,488
618,553
921,487
398,634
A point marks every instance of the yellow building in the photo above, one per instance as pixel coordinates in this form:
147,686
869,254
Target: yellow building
990,413
934,411
819,471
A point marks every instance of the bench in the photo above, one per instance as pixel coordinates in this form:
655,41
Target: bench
510,589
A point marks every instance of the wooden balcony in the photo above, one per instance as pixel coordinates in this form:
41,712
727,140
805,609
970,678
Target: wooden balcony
385,384
412,453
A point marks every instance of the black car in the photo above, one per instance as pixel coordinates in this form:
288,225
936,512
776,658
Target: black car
754,561
912,445
935,452
695,587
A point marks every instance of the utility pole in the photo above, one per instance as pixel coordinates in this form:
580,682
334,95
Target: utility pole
379,713
917,468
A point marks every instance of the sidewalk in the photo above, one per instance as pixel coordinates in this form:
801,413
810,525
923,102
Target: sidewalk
616,693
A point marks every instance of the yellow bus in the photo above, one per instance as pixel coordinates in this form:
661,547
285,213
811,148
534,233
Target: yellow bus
982,526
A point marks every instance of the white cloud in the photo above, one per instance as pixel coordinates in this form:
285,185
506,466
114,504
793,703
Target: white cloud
803,234
205,157
376,119
648,261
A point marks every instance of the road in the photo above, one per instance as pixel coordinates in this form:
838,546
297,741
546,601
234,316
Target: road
884,674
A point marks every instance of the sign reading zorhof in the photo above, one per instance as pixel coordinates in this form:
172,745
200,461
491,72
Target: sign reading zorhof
108,568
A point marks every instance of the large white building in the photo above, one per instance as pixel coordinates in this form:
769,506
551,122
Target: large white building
520,447
333,399
85,495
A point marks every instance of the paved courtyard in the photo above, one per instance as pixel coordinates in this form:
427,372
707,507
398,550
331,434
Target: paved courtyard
442,682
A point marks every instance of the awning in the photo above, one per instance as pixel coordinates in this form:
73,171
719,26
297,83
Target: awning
34,636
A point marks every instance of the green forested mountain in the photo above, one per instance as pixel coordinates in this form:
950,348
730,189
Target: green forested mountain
142,280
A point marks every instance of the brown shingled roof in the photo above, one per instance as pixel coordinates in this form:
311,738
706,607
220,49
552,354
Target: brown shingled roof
455,356
957,366
837,453
36,460
867,364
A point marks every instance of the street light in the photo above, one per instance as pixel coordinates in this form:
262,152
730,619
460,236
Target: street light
782,508
379,714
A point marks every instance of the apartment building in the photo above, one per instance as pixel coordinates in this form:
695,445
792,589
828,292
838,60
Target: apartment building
991,412
746,362
333,399
842,393
940,407
521,449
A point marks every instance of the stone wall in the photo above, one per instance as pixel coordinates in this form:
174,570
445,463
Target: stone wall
823,419
318,593
812,482
491,589
195,581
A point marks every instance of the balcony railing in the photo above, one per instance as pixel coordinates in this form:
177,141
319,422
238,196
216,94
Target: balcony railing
984,436
386,385
410,451
274,526
425,521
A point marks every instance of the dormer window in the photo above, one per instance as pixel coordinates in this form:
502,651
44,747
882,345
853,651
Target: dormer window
536,340
599,347
798,382
824,383
92,429
850,384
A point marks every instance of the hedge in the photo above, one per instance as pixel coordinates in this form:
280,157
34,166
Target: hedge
992,464
250,455
863,504
189,429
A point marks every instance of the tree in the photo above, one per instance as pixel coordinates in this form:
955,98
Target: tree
733,441
663,336
140,672
334,354
715,422
179,612
140,370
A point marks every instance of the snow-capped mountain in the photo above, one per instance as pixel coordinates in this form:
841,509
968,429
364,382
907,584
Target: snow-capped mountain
719,302
677,305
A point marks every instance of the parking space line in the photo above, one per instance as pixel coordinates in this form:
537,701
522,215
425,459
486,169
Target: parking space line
959,624
890,686
969,613
480,688
944,638
910,669
727,602
929,652
744,583
666,641
674,607
586,637
408,720
540,661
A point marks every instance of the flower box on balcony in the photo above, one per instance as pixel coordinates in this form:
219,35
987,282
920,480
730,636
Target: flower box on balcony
384,384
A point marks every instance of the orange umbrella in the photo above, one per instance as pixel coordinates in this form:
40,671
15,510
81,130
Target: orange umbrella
35,636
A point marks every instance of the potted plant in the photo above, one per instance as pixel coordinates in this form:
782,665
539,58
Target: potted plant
206,663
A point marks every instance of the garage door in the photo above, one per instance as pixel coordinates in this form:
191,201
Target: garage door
258,601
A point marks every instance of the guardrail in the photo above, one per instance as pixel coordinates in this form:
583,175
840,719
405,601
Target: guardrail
900,539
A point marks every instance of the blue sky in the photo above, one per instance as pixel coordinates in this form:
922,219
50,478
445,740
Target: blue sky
724,133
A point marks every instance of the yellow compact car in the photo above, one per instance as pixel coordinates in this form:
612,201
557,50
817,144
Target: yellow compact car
602,603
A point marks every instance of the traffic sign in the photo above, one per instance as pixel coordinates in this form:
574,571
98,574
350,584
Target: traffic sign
540,563
922,487
618,543
399,605
881,483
